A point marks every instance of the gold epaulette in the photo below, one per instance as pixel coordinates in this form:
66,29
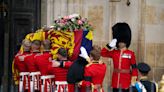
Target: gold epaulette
38,54
89,64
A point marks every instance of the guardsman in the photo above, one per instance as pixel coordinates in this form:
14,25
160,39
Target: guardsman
125,69
43,60
19,58
19,64
59,68
30,63
94,72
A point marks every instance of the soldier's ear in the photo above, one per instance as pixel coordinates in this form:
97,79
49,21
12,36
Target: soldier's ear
91,58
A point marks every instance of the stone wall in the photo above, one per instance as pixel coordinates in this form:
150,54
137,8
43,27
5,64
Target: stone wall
154,39
146,18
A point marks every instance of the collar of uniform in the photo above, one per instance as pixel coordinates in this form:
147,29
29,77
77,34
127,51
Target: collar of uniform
95,62
61,60
46,50
35,51
144,78
124,49
65,60
27,51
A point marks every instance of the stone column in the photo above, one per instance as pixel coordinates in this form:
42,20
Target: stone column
43,12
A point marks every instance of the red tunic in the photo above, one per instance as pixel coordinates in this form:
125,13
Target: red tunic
20,65
94,75
42,61
60,72
123,62
30,62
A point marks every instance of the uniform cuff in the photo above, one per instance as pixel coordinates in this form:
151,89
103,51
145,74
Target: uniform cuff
134,66
88,59
61,64
108,46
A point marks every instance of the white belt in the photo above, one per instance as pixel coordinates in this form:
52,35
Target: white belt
47,77
34,73
49,83
24,73
61,82
34,81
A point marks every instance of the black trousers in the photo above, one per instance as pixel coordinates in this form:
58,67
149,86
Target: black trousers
120,90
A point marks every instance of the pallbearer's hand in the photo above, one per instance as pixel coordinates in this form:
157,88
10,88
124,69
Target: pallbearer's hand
84,53
55,63
21,58
79,84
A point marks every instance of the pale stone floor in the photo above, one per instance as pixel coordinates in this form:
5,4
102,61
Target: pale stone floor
14,89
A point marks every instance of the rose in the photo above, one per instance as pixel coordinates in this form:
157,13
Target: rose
80,22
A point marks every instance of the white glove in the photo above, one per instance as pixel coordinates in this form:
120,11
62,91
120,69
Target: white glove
84,53
55,63
112,44
21,58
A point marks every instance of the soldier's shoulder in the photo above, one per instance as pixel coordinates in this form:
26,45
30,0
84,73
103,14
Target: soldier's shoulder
131,51
38,54
89,65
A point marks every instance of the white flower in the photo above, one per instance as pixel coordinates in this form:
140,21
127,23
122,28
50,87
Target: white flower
59,17
70,16
75,15
58,28
51,27
73,19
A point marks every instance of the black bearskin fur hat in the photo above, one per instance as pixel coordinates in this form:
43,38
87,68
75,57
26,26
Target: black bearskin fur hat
122,32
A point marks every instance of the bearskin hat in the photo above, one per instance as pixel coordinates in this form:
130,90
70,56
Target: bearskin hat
122,32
